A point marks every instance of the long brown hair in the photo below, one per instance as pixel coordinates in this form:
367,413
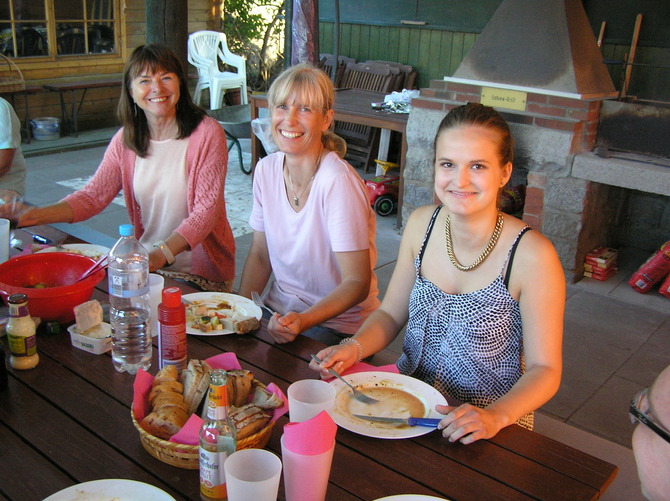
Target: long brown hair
154,58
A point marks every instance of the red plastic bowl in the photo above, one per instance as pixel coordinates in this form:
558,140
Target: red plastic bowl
58,270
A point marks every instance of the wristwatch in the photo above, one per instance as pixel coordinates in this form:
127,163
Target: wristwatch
166,251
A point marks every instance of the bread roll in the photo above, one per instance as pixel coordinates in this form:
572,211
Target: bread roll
239,387
195,379
168,409
249,419
265,399
245,325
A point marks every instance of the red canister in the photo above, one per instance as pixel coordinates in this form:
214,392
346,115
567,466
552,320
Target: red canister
172,329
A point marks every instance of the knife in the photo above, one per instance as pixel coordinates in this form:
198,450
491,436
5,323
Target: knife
413,421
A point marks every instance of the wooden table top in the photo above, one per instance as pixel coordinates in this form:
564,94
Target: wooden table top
68,421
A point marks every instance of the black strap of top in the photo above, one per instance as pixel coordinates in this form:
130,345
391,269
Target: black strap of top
428,232
511,255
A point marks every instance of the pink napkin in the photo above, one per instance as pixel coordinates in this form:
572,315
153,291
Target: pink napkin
314,436
363,367
189,433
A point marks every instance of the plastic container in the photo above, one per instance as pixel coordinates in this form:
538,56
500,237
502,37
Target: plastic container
97,346
46,128
129,312
172,329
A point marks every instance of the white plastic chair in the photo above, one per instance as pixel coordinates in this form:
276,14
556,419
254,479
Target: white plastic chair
224,80
202,47
205,50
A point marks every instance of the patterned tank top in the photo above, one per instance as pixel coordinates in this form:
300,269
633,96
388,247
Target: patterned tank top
468,346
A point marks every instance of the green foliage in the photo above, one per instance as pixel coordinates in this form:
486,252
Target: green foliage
254,28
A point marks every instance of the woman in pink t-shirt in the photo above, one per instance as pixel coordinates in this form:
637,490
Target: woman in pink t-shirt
314,229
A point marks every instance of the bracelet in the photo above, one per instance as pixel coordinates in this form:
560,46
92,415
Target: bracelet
169,257
346,340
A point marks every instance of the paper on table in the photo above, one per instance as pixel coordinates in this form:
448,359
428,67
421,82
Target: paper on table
363,367
314,436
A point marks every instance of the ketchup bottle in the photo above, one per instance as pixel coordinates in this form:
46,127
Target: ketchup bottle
172,329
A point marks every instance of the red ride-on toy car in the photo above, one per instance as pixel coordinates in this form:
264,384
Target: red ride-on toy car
383,193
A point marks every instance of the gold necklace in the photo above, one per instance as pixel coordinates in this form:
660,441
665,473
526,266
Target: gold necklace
487,250
296,197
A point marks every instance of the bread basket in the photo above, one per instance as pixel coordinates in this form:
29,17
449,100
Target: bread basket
186,456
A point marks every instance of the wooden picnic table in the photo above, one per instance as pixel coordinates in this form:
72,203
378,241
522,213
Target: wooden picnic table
68,421
71,120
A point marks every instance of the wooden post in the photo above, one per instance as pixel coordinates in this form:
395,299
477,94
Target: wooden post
631,56
167,24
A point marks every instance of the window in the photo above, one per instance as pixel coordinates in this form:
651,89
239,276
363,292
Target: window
54,28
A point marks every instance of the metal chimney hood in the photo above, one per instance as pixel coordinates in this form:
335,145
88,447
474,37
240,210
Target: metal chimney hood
541,46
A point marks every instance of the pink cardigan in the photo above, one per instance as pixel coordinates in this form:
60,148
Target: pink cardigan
206,229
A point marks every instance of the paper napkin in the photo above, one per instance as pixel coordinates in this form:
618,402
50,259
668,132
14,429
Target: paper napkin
314,436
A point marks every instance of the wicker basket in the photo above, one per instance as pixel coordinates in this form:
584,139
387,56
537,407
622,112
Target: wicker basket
186,456
11,78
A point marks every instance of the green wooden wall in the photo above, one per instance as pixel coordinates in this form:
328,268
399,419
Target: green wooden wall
432,53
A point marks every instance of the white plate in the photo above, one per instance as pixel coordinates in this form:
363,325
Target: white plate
111,488
90,250
410,497
342,412
243,305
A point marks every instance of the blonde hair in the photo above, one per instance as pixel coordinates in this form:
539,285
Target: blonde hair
312,87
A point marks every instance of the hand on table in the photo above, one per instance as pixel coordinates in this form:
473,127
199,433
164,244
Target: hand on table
466,423
285,329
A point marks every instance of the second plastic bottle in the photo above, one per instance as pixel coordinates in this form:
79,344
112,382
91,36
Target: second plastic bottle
128,275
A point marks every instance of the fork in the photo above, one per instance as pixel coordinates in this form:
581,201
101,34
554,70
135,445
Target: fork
358,395
256,298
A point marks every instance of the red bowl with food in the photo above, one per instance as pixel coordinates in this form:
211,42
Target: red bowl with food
48,279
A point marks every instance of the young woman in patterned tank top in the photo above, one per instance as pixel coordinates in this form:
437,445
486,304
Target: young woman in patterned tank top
485,316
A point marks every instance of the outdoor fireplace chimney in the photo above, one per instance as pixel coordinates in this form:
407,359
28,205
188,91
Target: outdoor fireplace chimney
543,46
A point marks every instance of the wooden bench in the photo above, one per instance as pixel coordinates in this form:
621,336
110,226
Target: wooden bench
71,120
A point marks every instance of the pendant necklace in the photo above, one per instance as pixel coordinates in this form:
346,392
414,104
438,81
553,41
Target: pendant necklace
487,250
296,196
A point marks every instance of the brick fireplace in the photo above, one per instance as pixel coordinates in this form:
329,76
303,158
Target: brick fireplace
575,190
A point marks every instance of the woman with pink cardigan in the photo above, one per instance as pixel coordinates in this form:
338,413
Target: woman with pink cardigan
170,159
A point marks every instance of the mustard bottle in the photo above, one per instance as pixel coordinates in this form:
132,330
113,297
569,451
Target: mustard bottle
21,334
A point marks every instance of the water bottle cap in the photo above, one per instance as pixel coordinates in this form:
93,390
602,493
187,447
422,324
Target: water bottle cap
171,297
126,230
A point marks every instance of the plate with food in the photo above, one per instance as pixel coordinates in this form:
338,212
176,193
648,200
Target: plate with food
93,251
399,396
218,313
111,488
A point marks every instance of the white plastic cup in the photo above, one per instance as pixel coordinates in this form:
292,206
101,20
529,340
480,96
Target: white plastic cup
306,476
252,475
156,284
308,397
4,240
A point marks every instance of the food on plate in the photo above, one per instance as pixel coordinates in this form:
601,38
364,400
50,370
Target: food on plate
393,403
195,379
245,325
249,419
168,409
215,314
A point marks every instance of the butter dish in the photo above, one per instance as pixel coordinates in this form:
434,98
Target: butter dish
96,340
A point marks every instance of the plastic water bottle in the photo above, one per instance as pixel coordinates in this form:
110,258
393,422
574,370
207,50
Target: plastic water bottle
128,274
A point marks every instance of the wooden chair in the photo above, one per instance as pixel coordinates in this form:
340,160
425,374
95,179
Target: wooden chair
407,74
327,64
361,139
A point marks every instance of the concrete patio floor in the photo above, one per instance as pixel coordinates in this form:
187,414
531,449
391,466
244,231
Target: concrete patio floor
616,340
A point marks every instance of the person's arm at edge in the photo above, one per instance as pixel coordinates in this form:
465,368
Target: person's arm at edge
6,159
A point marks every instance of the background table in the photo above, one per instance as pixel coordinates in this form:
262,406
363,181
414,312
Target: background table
353,105
68,421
